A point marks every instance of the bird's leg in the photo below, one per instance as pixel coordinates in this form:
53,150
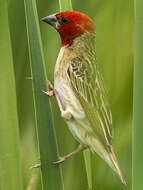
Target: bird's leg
53,92
63,158
64,113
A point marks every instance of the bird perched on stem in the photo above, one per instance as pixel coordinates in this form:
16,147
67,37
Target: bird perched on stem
78,87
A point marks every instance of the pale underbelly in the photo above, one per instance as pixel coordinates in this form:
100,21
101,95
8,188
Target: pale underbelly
68,99
78,125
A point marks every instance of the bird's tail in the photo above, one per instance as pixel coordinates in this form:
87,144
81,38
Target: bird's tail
110,159
115,166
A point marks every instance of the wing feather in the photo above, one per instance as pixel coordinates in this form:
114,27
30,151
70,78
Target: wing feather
88,86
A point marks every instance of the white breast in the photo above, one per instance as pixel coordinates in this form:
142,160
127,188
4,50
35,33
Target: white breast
64,89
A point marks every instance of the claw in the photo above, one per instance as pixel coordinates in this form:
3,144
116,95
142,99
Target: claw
48,93
36,166
28,78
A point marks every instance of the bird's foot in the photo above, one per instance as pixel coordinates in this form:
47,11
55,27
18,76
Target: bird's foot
52,90
49,93
28,78
36,166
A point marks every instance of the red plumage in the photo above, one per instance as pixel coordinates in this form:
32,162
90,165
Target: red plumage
77,24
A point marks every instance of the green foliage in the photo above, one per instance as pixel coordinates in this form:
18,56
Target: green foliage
138,103
11,176
114,23
43,115
65,5
87,157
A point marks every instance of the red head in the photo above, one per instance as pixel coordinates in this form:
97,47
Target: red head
70,24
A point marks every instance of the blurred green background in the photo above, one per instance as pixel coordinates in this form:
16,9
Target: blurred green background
114,23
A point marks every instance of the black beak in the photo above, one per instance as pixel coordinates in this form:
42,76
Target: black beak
52,20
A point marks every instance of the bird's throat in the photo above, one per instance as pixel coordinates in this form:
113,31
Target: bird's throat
66,42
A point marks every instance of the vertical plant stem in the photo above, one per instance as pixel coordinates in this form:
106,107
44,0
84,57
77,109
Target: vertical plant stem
10,165
138,100
65,5
87,158
51,174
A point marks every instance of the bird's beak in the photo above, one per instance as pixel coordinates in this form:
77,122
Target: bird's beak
52,20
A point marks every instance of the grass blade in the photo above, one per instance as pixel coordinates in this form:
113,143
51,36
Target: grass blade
65,5
138,96
87,158
10,165
44,124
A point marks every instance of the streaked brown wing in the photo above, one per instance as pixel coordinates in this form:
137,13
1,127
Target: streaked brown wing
88,87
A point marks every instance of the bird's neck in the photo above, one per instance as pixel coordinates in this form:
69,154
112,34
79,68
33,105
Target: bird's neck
84,43
82,46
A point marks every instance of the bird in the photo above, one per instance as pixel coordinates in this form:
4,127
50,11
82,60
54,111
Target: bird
79,87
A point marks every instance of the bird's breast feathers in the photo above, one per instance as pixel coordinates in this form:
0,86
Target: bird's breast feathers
63,86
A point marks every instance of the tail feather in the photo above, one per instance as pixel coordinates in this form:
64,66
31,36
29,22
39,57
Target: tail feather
107,154
110,159
116,166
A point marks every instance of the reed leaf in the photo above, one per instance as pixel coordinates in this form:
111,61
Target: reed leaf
50,173
65,5
10,164
87,158
138,102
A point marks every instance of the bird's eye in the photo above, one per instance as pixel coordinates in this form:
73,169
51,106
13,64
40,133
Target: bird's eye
63,20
